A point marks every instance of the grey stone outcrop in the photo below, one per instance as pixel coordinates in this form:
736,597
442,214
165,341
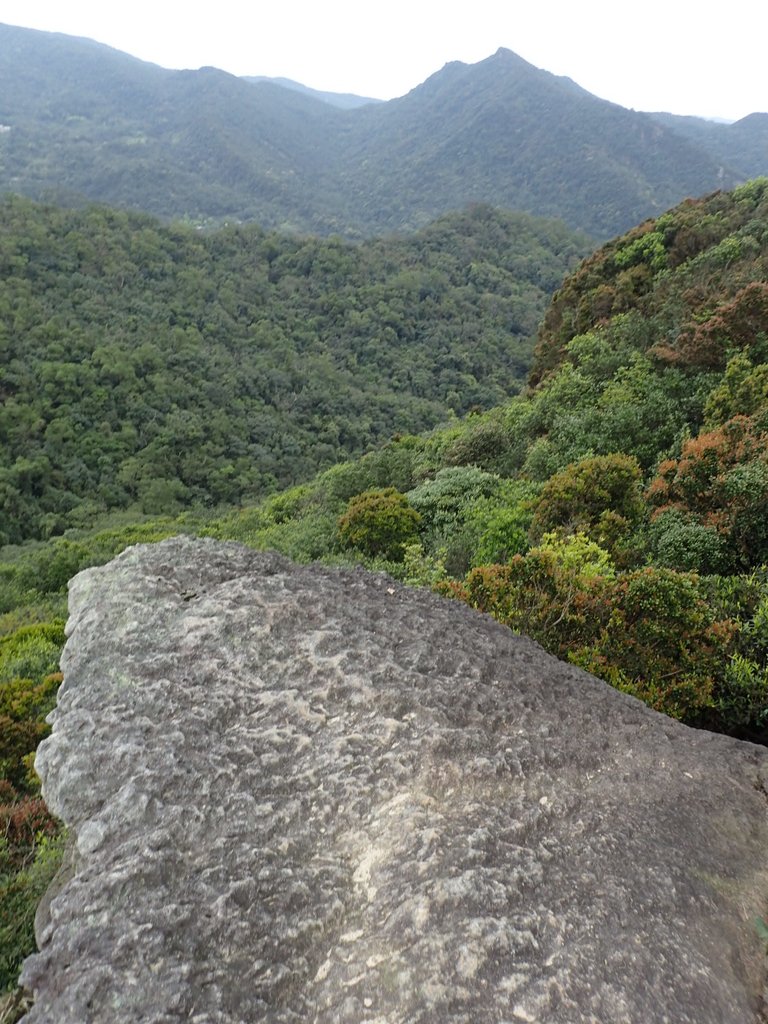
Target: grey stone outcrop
306,795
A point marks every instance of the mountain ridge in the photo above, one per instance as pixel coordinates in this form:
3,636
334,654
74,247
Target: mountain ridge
213,147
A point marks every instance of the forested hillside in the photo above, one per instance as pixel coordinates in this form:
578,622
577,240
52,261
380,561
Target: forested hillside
615,511
80,121
152,368
83,122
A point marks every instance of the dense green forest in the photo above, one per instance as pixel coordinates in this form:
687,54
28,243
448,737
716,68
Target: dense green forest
80,121
157,368
614,511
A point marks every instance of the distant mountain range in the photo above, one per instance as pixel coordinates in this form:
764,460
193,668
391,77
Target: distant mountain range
83,121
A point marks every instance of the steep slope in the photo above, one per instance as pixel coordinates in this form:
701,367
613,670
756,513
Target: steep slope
318,795
81,120
681,273
615,513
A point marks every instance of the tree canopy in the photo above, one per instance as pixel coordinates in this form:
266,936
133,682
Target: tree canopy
160,368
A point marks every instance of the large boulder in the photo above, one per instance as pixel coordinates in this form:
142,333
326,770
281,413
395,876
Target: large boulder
309,795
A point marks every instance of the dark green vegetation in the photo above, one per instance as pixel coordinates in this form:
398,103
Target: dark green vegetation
154,369
524,139
81,121
615,511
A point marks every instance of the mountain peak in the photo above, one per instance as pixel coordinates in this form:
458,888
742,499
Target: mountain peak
504,53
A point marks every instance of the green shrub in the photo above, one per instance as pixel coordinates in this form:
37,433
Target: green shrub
447,504
578,556
307,538
390,466
420,569
742,698
31,652
662,643
379,523
500,523
590,494
448,498
537,595
680,541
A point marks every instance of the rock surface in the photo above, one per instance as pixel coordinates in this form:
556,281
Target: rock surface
307,795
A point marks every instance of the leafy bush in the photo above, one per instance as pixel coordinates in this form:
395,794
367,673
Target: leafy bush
680,541
742,391
495,442
661,642
578,555
304,539
647,249
420,569
49,570
500,523
721,479
446,505
31,652
538,595
742,698
379,523
27,857
600,496
451,495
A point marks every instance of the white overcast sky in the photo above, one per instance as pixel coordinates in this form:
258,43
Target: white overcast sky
677,55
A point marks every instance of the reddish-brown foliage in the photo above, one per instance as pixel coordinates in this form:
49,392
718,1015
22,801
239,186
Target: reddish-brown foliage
722,479
739,323
693,482
21,823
